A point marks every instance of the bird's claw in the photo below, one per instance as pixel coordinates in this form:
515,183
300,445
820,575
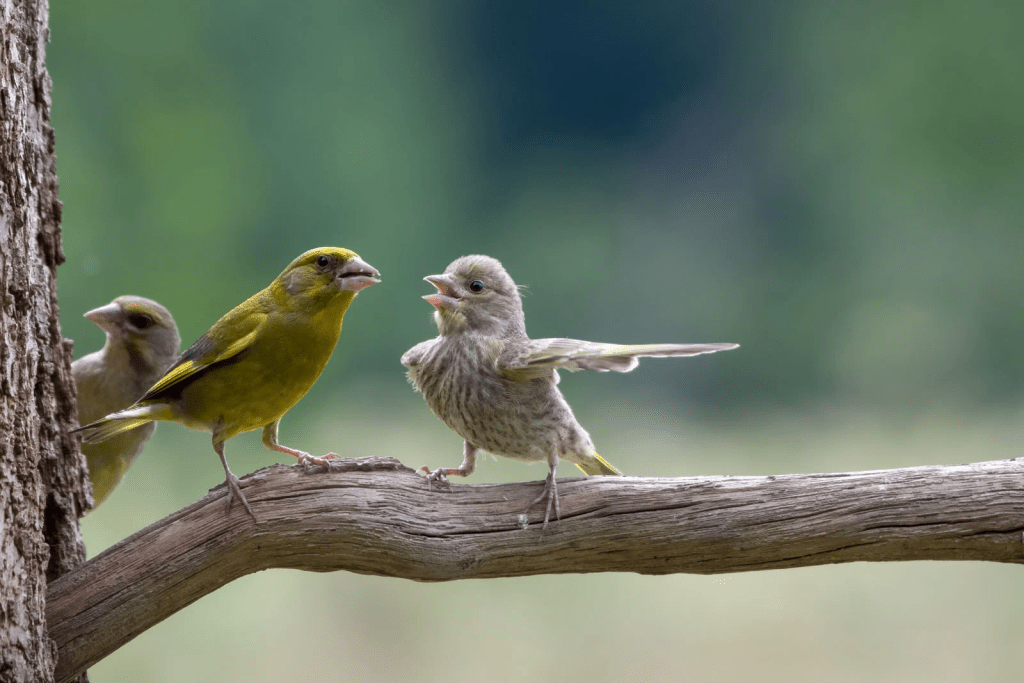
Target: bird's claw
437,475
310,462
235,490
551,494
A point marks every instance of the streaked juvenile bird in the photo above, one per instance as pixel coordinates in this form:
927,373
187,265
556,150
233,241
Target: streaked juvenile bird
497,388
257,361
142,342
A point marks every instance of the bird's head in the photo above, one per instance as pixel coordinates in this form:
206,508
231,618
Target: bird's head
476,294
320,275
144,327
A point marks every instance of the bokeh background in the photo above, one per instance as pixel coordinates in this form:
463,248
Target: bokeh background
839,187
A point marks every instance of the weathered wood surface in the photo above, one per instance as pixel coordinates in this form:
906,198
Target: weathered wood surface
378,517
43,484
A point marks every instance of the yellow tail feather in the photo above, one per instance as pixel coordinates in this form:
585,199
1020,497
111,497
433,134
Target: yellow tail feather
101,430
599,466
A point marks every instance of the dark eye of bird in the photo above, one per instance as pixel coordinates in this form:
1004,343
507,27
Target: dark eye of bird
323,261
140,320
476,286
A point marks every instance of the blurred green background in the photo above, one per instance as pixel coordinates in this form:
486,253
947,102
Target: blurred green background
837,187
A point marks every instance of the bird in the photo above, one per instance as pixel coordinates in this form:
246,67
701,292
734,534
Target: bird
498,389
256,362
141,343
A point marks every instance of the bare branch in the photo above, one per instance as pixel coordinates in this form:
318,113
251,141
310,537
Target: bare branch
377,517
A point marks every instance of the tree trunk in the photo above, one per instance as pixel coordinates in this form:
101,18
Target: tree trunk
43,480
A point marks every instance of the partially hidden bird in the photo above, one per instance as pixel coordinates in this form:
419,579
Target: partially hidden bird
497,388
256,362
142,342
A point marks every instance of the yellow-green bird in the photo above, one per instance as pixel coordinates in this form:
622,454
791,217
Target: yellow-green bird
142,342
257,361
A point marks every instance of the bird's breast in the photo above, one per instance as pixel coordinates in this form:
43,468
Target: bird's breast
518,419
260,384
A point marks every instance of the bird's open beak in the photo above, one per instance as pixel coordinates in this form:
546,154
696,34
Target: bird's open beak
106,317
357,275
445,296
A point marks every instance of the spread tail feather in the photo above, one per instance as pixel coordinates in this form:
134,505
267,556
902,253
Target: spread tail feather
599,466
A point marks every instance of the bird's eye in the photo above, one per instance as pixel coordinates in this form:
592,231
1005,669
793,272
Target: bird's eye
140,320
323,261
476,286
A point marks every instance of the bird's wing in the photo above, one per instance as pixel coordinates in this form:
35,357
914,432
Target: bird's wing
538,357
414,355
216,346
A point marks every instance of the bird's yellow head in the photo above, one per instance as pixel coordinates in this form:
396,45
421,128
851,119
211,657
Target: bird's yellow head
476,294
320,275
144,327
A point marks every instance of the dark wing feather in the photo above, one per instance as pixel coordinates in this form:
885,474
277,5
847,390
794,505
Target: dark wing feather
214,347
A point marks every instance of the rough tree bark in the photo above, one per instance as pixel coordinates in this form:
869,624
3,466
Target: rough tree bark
43,480
375,516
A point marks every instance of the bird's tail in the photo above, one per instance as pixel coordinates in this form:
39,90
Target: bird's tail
108,427
122,421
598,465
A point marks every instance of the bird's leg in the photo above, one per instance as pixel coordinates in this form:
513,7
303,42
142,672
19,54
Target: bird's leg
441,474
270,441
231,480
550,492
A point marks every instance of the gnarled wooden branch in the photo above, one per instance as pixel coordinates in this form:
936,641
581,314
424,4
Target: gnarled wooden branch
375,516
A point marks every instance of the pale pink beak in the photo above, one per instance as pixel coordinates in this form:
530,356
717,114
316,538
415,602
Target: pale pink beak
445,296
356,275
106,317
